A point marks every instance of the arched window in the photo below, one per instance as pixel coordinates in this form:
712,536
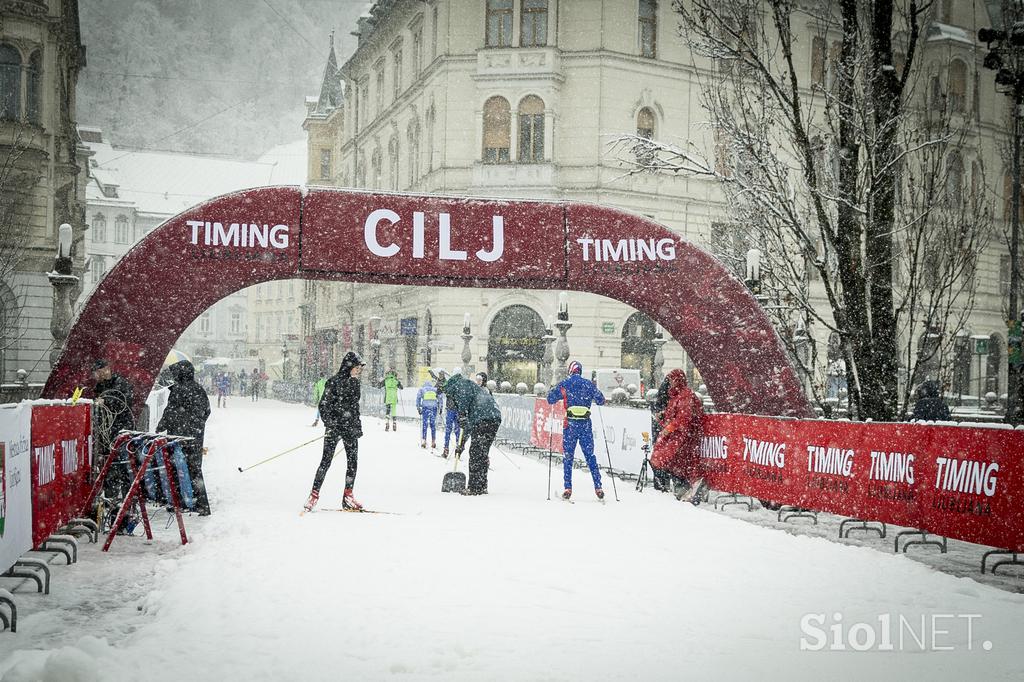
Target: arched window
430,138
531,130
954,180
377,169
34,95
957,86
499,23
648,20
645,124
497,135
121,235
638,346
10,83
414,151
360,180
97,268
533,24
99,228
393,162
515,345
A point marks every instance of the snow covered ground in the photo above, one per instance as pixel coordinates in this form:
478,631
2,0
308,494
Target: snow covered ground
504,587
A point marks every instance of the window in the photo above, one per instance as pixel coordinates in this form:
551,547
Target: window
499,23
376,164
417,50
497,136
204,323
946,12
818,61
10,83
97,268
533,25
236,323
531,130
364,103
645,124
957,86
954,180
1004,275
33,95
433,33
1008,198
414,152
396,70
121,235
99,228
325,164
935,93
380,87
393,162
648,18
430,138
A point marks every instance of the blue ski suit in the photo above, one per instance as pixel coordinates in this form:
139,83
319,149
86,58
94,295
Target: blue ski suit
426,405
578,394
451,419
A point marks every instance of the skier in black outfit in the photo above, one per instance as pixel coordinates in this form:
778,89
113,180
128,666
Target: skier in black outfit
186,413
113,395
339,410
930,406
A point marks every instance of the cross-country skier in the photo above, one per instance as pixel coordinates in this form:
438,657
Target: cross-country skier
426,406
678,446
391,386
451,413
578,394
480,419
339,409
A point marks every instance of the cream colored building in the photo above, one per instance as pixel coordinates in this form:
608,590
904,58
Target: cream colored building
520,98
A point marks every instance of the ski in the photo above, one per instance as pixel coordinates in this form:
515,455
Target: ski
363,511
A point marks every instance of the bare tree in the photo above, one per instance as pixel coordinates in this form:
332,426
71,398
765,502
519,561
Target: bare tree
843,175
19,172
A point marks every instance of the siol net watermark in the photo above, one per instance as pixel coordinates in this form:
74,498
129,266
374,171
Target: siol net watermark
892,632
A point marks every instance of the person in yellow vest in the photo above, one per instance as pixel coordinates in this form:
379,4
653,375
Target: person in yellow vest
426,405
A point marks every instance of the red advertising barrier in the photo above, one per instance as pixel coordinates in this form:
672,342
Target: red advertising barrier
61,462
961,482
547,425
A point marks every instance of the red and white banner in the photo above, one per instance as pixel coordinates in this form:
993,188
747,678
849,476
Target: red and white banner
961,482
61,450
547,425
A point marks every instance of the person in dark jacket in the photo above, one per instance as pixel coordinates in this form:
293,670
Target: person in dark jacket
662,478
113,394
930,406
339,410
188,408
479,418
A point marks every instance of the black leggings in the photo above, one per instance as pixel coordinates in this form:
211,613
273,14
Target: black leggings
479,454
351,452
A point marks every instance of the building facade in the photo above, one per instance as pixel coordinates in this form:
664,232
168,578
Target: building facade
42,173
521,99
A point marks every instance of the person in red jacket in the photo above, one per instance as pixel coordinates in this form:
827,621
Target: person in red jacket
678,446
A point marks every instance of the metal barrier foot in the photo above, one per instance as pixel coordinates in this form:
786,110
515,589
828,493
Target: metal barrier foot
792,512
88,526
734,498
12,622
940,543
881,528
61,544
1014,560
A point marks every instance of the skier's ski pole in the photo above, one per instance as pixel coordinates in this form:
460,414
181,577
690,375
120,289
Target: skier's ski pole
550,434
607,450
302,445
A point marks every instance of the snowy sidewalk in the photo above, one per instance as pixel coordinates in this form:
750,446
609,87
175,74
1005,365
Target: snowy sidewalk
503,587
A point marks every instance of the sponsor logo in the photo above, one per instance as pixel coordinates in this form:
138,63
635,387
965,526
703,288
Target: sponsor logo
764,453
46,464
627,250
714,447
966,476
444,237
891,632
892,467
69,456
829,460
242,235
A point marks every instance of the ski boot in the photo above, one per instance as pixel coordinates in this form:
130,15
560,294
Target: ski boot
423,443
311,502
433,445
599,493
566,494
349,502
444,453
316,423
394,423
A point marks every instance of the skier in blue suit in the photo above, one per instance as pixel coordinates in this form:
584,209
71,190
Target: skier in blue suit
451,415
426,405
578,394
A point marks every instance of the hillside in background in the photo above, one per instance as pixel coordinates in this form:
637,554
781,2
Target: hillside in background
207,76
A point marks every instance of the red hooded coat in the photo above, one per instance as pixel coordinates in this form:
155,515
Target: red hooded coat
678,447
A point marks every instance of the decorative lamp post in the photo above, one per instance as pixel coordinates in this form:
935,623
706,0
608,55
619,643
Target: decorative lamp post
547,371
375,369
63,283
657,373
1006,58
467,355
562,345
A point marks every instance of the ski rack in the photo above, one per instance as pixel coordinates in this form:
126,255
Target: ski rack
25,568
151,444
941,543
792,512
734,498
1014,559
864,525
12,622
61,544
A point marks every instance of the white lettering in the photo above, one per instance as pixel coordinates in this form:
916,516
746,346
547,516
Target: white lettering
417,234
46,464
444,226
279,236
628,250
498,226
370,232
966,476
834,461
195,225
764,453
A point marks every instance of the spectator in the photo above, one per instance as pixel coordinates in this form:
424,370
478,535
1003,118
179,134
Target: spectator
186,413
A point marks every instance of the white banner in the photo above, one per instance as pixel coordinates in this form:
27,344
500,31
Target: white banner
157,402
15,483
622,429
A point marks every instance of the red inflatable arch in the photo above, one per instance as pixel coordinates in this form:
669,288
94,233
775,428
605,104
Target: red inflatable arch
192,261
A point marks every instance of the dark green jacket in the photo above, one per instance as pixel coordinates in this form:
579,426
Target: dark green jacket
473,403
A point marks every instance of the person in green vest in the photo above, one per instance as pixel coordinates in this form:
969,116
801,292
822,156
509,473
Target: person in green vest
391,388
318,393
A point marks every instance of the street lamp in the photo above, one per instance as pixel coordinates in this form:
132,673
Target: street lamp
562,345
63,283
1006,58
467,355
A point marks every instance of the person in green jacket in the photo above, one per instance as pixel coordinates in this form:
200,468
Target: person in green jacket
480,418
391,388
318,393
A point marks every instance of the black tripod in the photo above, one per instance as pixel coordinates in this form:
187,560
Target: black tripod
646,469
